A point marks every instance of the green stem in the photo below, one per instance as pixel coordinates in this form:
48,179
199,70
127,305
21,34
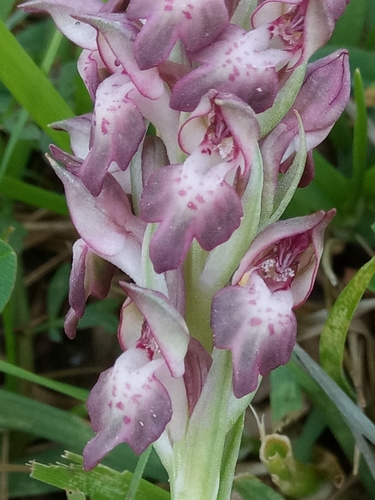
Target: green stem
359,143
198,302
137,476
230,457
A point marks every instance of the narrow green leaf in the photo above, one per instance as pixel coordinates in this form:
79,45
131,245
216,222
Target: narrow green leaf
36,196
252,488
8,268
332,339
62,388
359,143
345,420
101,483
30,87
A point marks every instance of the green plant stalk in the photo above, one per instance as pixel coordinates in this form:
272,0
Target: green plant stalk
137,475
230,457
359,144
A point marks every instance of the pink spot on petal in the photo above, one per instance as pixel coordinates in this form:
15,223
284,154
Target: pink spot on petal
110,404
271,329
200,198
128,386
231,77
192,206
256,321
168,8
119,405
104,126
182,192
177,179
126,420
187,14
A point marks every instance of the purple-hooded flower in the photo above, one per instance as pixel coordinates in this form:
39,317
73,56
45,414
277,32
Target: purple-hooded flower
197,23
135,400
321,100
115,43
196,199
105,222
62,11
90,275
237,62
298,26
254,316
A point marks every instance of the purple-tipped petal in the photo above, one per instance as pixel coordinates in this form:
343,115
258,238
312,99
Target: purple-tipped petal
128,404
258,326
105,222
119,34
197,23
238,62
90,275
62,11
78,129
92,70
197,365
189,203
321,100
167,325
117,131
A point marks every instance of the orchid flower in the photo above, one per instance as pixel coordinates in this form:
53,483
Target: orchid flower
254,316
135,400
90,275
298,26
195,199
321,100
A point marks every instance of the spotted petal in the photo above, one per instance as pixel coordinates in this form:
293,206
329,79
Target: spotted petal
197,23
189,201
258,326
118,34
128,404
117,130
238,62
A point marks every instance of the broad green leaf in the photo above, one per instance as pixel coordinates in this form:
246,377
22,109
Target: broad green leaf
332,339
286,397
36,196
75,495
252,488
101,483
30,87
8,268
38,419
